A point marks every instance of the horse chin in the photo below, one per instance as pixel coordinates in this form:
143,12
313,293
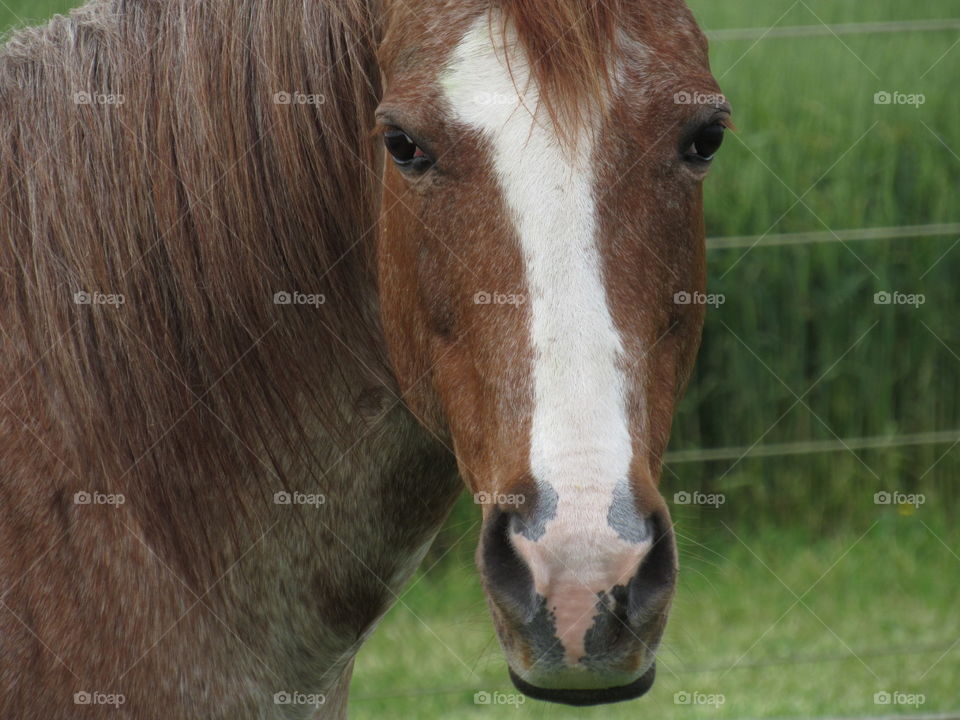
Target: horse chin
600,696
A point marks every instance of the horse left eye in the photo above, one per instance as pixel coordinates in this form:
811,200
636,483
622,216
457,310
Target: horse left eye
706,143
405,152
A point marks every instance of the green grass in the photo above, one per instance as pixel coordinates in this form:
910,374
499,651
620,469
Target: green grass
16,13
808,127
795,319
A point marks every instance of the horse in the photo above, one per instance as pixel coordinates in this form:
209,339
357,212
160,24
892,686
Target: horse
279,279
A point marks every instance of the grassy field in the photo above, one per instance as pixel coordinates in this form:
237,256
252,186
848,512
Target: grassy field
879,585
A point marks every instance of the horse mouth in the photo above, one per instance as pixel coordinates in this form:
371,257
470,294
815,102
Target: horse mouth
581,698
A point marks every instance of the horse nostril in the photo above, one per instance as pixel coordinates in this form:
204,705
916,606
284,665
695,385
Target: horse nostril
508,578
653,583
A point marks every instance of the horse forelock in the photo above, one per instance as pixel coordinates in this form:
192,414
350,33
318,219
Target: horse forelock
571,51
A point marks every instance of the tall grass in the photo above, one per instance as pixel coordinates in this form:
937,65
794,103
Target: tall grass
803,319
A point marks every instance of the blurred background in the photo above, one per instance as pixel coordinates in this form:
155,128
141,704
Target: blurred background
813,467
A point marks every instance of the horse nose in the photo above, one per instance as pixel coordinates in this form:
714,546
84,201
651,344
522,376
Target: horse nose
583,595
588,606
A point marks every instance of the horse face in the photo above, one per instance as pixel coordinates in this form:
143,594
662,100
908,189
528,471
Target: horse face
534,266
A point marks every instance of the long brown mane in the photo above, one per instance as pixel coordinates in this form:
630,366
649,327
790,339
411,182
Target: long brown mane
196,200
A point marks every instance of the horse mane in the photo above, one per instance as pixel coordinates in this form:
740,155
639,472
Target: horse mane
195,200
571,50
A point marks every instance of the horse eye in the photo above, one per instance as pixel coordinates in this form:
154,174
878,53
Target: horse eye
706,143
405,152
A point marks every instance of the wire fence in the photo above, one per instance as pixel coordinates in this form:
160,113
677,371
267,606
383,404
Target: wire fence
835,445
826,237
864,28
809,447
834,236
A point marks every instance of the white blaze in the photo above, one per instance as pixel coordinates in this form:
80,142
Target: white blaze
580,440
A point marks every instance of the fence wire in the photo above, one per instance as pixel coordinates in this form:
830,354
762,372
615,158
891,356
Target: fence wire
834,236
809,447
863,28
